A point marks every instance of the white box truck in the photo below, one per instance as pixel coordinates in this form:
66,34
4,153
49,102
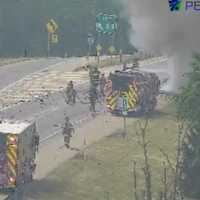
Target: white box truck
19,142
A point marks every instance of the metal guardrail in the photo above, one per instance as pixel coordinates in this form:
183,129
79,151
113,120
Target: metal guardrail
154,60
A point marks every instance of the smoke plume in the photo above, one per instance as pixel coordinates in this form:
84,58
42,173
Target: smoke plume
156,29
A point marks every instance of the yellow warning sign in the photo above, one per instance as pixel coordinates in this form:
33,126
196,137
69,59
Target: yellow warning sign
51,26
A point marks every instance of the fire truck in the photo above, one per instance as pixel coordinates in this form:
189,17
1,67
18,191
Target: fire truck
140,88
19,142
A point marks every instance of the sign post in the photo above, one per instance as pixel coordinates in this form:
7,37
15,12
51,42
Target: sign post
125,113
48,45
51,27
90,43
98,49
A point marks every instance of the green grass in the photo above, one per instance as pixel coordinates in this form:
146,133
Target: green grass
109,167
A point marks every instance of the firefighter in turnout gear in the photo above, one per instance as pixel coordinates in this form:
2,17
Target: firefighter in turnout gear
94,75
93,97
68,129
71,93
102,84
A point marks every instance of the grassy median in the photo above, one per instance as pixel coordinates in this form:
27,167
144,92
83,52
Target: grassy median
107,170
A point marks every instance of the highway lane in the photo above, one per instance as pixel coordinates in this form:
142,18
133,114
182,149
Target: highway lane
14,72
49,115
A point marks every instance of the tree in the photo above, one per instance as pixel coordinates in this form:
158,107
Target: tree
22,25
144,143
188,110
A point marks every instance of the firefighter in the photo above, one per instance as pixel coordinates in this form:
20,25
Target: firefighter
93,96
74,96
71,93
94,75
67,132
102,84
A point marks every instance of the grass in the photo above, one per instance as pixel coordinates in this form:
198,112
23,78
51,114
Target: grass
108,171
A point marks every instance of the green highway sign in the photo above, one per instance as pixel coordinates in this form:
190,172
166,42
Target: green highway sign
106,24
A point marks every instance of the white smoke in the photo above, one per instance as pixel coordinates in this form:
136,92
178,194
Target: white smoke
156,29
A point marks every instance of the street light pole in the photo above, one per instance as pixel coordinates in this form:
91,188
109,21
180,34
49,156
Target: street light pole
90,43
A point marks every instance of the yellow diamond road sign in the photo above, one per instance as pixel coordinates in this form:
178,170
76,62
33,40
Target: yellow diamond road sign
51,26
53,23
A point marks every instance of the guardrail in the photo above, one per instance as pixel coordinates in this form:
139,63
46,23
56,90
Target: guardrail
153,60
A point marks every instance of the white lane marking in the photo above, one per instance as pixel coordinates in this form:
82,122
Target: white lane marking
76,124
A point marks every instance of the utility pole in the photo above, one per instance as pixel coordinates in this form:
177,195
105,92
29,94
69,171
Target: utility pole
52,37
90,43
48,44
98,49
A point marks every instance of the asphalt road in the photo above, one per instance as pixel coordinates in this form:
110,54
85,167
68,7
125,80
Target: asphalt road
14,72
49,115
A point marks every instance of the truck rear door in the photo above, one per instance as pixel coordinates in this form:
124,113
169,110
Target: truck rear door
8,160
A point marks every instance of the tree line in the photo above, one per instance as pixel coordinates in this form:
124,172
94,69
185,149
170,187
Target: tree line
22,26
